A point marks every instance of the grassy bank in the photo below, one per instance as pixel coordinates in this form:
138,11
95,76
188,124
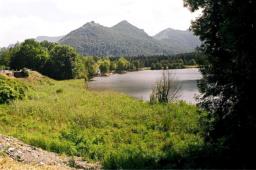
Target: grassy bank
191,66
117,130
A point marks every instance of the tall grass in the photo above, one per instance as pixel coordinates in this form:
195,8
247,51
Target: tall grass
117,130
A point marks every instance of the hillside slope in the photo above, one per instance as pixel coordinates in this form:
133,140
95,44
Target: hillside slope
121,39
183,41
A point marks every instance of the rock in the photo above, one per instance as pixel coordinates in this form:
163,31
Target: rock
22,152
11,149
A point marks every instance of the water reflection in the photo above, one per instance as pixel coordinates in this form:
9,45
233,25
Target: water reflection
139,84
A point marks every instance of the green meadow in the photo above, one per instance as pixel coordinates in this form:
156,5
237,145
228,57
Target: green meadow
104,126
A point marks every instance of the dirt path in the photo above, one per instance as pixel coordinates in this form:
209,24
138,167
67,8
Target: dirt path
28,155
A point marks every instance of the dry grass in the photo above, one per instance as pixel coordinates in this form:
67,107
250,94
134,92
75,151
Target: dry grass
7,163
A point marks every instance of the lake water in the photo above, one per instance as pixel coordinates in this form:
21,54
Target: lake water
139,84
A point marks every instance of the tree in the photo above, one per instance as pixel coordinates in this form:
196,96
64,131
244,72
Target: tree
63,63
30,54
122,64
6,54
113,66
79,70
227,29
48,45
104,66
137,65
5,57
91,66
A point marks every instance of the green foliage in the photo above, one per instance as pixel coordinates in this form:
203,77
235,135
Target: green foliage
91,66
11,90
79,70
30,55
104,65
48,45
51,59
227,29
113,65
166,89
64,63
109,127
6,55
122,65
179,61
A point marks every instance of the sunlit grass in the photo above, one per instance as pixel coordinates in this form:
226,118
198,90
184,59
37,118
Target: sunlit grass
118,130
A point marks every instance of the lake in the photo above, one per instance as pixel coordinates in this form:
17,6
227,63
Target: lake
139,84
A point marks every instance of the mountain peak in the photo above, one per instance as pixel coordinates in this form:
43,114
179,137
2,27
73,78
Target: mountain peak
91,24
124,23
125,39
125,26
173,30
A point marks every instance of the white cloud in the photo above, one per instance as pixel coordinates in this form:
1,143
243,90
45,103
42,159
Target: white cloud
21,19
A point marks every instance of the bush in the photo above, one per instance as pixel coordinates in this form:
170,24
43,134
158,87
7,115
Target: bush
7,93
11,90
166,89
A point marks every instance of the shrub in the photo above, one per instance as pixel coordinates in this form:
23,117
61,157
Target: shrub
166,89
59,91
11,90
6,93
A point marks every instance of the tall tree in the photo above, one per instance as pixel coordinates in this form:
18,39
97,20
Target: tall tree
227,29
5,57
104,66
30,55
122,64
62,63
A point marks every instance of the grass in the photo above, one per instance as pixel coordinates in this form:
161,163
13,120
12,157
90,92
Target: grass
115,129
192,66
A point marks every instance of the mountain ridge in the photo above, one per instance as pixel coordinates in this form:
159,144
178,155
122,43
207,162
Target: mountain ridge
125,39
179,39
49,38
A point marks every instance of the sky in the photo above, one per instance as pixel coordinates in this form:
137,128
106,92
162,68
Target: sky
22,19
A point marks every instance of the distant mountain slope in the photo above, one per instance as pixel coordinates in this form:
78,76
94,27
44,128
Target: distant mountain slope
124,39
121,39
183,41
50,39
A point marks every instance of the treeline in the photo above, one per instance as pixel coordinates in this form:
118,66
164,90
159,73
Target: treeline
63,62
178,61
59,61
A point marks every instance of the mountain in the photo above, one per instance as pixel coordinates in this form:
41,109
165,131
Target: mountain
50,39
183,41
121,39
124,39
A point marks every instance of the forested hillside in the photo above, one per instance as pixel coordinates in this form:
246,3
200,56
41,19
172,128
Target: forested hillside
180,40
123,39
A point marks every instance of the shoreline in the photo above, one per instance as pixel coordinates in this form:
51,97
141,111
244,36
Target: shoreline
145,69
